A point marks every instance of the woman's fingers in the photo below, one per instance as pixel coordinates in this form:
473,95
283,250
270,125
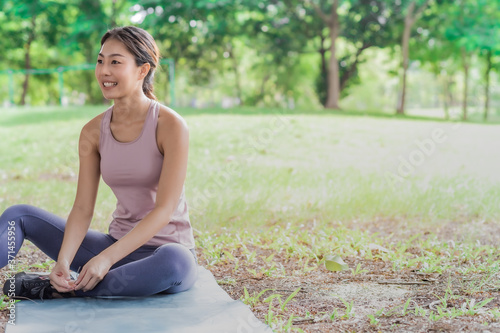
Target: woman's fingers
92,273
82,280
80,277
91,284
59,278
87,281
62,289
61,284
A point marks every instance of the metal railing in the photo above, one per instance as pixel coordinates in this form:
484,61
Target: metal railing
61,69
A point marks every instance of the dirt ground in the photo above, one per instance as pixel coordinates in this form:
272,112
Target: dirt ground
323,292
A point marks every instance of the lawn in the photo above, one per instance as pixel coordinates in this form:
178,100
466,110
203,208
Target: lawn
411,205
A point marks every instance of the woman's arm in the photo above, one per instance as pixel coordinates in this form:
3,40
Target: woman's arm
81,214
173,136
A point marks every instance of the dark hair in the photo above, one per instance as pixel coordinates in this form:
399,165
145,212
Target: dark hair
143,46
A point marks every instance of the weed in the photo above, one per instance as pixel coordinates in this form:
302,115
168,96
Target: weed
349,308
358,270
373,319
254,299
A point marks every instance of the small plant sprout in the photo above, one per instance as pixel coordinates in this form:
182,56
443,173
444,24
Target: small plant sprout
373,319
358,270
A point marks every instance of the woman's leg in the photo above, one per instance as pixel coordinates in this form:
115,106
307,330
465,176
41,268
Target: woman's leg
170,269
46,231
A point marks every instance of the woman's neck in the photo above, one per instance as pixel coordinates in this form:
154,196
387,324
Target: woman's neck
130,108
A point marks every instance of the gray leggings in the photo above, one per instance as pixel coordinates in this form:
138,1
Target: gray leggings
170,268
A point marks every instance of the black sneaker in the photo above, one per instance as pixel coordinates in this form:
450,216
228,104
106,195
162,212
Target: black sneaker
29,285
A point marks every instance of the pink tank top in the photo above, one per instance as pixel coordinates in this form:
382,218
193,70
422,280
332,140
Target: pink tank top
132,170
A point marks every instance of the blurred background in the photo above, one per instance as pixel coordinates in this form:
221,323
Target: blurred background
436,58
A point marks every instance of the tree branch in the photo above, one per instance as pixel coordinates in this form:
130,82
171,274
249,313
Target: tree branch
421,9
414,17
318,11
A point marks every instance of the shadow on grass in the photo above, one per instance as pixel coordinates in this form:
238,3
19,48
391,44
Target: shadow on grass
36,115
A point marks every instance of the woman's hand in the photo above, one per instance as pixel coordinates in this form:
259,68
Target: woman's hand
93,272
60,278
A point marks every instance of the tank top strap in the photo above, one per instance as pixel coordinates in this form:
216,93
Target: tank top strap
105,131
151,123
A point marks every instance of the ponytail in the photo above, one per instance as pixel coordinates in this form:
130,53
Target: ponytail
148,87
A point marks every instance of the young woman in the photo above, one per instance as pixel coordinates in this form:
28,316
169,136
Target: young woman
140,148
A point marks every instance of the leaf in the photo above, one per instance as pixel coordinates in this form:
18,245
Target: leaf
335,263
289,298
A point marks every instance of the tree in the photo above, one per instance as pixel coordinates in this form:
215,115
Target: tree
280,37
487,37
431,47
210,38
330,19
473,28
40,20
412,13
89,22
366,24
193,33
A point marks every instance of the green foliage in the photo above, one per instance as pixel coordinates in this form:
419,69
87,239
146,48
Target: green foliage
264,53
5,302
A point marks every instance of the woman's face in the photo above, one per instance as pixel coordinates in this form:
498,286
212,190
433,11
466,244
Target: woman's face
116,71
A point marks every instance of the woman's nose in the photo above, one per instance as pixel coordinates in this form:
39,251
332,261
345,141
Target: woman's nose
104,69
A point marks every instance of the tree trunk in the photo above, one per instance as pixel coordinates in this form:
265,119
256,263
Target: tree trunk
405,52
262,91
88,76
352,68
332,99
322,51
446,97
465,62
27,59
236,74
410,19
487,85
324,73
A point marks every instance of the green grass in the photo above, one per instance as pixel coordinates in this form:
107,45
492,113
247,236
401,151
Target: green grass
248,170
261,182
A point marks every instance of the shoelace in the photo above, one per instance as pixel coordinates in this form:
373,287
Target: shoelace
38,290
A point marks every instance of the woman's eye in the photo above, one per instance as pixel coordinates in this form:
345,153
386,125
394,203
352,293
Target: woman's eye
99,61
114,62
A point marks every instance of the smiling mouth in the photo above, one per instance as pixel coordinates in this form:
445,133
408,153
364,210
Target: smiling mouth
109,84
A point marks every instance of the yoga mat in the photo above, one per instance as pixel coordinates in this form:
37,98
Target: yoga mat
205,307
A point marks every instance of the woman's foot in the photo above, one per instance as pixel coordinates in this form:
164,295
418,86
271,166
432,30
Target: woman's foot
32,286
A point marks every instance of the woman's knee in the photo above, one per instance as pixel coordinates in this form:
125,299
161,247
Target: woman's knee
176,257
174,252
180,267
15,211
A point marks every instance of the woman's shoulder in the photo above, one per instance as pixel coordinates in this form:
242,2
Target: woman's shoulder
92,129
169,119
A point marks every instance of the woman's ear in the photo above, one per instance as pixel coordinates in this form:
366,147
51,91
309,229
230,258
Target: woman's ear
144,70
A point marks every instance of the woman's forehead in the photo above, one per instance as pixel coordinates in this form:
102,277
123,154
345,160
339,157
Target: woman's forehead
114,47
